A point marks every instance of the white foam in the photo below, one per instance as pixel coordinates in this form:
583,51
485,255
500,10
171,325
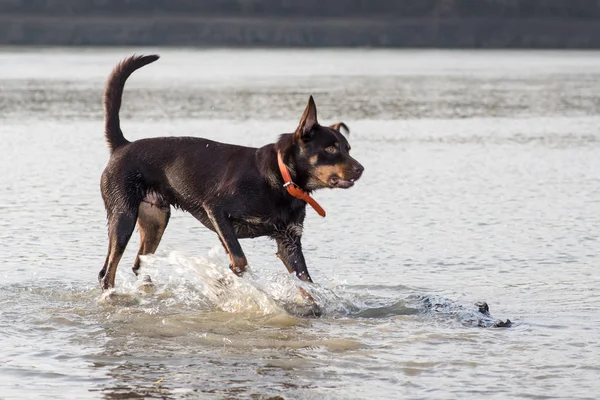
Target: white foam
178,279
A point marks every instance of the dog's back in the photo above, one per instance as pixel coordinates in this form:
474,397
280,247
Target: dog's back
157,165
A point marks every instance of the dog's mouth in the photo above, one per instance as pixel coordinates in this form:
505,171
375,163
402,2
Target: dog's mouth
337,182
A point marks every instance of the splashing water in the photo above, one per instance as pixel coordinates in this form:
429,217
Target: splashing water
207,284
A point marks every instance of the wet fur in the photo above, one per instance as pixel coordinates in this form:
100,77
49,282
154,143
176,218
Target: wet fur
235,191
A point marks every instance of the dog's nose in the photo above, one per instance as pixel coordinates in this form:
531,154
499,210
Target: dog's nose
358,169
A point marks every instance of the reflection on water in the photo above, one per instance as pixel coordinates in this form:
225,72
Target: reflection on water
481,185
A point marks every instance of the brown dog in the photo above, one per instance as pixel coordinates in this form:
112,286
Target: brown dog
237,192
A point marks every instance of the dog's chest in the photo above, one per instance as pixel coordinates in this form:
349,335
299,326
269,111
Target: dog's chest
252,227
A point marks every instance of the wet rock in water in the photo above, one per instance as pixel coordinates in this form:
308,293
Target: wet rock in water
503,324
485,310
479,315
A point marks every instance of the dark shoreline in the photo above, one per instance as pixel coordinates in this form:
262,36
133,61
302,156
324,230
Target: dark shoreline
469,24
297,32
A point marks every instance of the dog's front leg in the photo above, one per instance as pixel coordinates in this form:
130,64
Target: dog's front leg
226,233
289,250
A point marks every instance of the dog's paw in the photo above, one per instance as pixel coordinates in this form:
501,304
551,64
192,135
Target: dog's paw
146,285
111,297
108,295
304,305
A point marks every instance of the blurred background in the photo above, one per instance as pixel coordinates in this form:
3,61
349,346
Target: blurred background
482,183
284,23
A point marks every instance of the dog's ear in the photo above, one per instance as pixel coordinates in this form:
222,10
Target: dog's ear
307,123
339,126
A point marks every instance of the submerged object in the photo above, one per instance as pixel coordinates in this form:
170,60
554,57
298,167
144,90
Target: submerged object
476,315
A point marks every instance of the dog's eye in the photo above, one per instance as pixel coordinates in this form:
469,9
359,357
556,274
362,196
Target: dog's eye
331,149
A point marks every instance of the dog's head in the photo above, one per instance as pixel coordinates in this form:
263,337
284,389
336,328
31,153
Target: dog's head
323,153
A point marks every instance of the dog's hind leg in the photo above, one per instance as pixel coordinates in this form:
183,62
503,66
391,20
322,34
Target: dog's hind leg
120,227
152,221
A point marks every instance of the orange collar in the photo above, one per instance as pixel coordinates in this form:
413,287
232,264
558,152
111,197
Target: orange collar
294,189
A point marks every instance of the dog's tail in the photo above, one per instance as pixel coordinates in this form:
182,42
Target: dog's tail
112,98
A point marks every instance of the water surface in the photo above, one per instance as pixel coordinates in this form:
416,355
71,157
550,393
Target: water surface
482,183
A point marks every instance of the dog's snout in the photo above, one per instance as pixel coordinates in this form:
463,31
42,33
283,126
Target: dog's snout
358,169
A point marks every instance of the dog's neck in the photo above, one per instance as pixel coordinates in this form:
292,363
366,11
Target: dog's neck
269,167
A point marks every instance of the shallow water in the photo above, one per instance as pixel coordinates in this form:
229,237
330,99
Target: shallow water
482,183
